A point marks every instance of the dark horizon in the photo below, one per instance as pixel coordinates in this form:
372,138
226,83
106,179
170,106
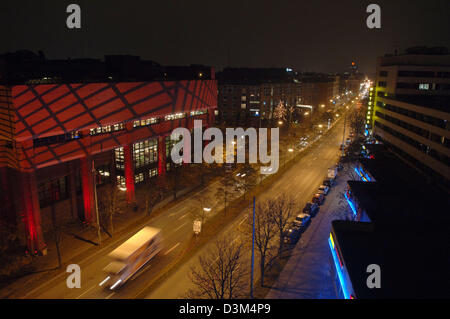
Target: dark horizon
322,36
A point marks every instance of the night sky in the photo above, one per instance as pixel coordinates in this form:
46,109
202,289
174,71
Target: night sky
314,35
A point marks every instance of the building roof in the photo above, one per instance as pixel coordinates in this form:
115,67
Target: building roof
414,263
408,236
132,244
26,67
254,76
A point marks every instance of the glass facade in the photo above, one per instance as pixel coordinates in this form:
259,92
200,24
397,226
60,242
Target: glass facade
174,116
145,153
146,122
53,191
138,178
104,174
170,142
121,181
107,129
119,158
152,172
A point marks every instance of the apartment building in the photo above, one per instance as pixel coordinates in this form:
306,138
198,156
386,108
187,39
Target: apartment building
412,109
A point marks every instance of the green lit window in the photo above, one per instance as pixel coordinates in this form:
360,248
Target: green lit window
145,153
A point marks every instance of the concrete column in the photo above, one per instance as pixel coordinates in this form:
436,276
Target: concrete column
32,214
129,173
87,188
162,156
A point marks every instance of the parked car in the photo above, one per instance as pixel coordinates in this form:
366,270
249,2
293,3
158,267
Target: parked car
328,182
292,233
318,199
324,189
311,209
302,221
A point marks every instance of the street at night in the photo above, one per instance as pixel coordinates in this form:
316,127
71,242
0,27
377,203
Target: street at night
218,159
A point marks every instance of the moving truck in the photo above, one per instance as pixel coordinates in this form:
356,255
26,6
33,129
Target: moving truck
131,256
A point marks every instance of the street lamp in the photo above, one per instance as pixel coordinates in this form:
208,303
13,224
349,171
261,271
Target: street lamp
280,123
207,209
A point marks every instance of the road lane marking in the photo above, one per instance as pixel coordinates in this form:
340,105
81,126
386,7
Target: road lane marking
168,252
85,292
243,220
183,216
110,295
180,226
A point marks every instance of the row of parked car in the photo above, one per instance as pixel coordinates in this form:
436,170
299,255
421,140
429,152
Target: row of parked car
297,227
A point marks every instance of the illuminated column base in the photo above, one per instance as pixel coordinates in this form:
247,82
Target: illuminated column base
161,156
88,189
32,215
129,173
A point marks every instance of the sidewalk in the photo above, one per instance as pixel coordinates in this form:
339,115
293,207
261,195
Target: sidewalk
307,274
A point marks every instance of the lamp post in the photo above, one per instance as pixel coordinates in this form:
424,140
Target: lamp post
94,177
253,250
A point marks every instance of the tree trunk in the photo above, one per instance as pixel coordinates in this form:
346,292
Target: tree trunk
111,223
262,270
56,236
280,249
225,208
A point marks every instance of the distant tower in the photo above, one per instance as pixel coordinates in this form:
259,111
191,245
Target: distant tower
354,68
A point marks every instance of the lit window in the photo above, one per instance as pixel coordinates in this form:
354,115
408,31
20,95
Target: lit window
424,86
107,129
201,112
120,181
149,121
152,172
145,152
174,116
119,158
138,178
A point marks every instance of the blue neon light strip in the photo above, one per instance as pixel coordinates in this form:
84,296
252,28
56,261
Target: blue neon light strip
360,174
339,271
367,176
350,203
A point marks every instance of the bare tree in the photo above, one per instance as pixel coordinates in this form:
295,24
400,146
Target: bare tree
12,257
203,200
111,203
219,274
265,233
246,179
281,211
357,122
152,192
226,189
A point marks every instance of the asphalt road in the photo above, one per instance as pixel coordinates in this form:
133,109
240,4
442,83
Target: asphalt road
176,226
301,181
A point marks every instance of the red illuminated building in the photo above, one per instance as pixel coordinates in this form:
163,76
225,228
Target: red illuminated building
53,134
